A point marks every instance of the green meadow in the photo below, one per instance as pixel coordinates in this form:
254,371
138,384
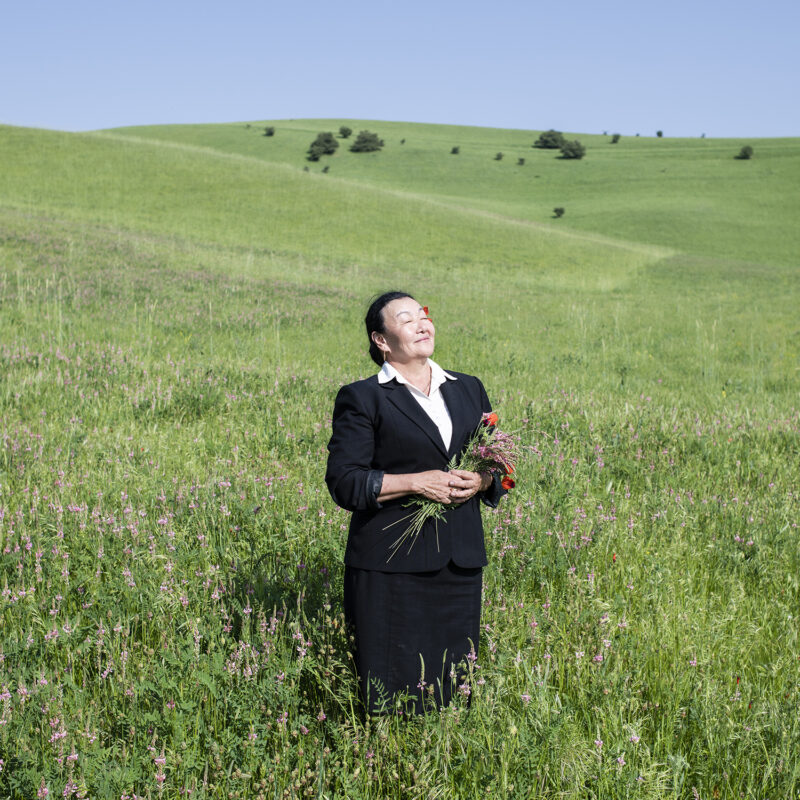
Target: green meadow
178,306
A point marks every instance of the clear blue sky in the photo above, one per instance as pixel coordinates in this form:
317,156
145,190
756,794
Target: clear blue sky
685,67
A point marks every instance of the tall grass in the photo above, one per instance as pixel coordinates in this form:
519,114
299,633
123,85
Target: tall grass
170,600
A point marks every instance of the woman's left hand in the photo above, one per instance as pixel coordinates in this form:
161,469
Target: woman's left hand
475,482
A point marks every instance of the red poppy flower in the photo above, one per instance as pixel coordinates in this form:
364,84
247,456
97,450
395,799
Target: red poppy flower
425,309
491,418
508,482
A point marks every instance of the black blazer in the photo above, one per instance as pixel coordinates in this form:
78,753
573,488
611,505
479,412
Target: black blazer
380,428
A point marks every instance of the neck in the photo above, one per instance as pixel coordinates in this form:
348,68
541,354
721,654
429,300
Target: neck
417,373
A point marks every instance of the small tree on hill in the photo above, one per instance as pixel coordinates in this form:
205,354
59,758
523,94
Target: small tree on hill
746,153
550,140
573,150
558,212
455,151
324,145
498,156
345,132
615,138
520,162
366,142
269,131
659,134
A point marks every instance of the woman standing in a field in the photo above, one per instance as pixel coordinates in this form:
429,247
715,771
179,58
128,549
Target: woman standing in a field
414,610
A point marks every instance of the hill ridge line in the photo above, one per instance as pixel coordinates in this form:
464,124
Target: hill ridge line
655,251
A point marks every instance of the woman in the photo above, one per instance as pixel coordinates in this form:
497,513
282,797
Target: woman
414,611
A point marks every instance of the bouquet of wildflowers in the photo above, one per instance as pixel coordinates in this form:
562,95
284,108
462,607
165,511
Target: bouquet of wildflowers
488,450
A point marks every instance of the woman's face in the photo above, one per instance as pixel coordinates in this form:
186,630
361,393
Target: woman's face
409,334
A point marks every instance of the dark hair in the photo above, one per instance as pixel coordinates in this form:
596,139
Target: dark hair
374,321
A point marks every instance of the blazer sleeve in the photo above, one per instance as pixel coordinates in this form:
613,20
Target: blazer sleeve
491,496
352,482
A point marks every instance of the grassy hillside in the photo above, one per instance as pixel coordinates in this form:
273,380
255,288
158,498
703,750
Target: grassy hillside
622,300
687,194
176,315
242,202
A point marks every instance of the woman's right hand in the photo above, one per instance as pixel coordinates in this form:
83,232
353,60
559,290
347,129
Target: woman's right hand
438,485
435,484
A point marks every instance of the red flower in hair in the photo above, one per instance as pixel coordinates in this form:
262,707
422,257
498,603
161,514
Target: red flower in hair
425,309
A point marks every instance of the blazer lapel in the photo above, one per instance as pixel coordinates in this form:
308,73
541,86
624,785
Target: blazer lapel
452,391
403,400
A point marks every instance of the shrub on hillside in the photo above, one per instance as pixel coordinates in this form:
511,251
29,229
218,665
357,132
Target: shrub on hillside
550,140
615,138
746,153
269,131
659,134
520,162
573,149
498,156
455,151
558,212
345,132
324,145
366,142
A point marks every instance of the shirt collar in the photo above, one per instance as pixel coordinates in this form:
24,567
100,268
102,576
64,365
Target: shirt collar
438,375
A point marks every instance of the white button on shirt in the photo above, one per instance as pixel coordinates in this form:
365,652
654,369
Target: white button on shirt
432,404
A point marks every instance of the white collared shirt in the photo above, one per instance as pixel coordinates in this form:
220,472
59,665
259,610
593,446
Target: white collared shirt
433,403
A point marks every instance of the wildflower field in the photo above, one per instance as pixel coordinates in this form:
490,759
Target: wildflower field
175,321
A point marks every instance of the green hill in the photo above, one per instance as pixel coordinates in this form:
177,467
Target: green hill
178,307
643,269
235,200
687,194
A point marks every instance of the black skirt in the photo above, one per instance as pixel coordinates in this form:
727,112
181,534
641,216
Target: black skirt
414,634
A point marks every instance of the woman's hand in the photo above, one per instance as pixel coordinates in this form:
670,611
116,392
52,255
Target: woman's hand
435,484
467,484
447,488
443,487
